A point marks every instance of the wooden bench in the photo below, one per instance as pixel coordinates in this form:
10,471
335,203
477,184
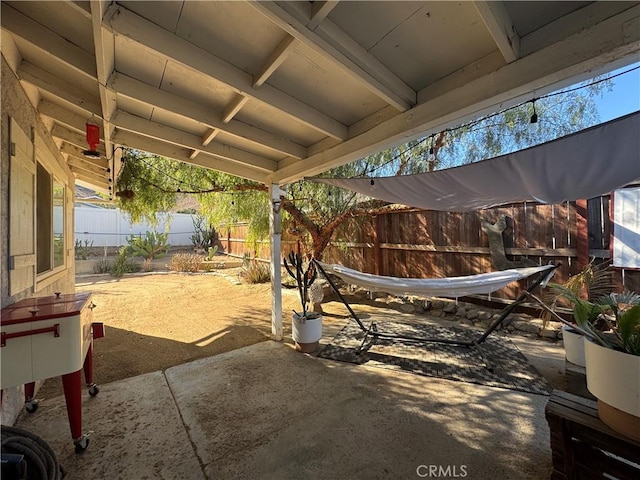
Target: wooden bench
582,447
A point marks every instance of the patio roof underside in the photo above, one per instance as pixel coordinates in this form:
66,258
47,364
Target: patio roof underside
275,91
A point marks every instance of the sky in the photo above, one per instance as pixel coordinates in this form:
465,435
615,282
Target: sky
624,97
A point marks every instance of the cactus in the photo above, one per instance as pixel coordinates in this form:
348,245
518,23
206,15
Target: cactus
304,278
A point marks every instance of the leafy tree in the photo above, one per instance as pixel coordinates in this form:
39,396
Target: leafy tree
315,209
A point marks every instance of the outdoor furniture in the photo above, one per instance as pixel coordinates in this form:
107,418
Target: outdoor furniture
51,336
447,287
584,447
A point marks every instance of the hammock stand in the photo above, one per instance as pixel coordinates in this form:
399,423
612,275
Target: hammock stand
373,333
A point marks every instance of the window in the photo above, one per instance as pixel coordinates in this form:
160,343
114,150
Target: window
50,217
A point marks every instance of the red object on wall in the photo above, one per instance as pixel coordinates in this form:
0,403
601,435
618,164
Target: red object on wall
93,135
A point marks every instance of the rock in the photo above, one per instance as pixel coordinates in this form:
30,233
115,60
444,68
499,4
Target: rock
435,313
437,304
548,333
484,315
450,307
407,308
472,313
526,326
466,321
461,312
394,303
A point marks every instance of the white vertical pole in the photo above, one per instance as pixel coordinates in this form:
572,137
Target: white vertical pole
276,272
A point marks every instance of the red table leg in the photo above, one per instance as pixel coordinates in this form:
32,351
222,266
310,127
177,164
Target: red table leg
88,372
30,404
72,384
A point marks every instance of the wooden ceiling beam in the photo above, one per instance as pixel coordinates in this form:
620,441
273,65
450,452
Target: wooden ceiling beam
320,11
168,150
72,150
47,41
82,164
66,117
74,138
496,18
184,139
104,46
142,92
90,178
27,72
334,44
275,59
172,47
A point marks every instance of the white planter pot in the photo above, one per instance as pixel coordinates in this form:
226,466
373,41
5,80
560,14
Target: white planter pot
573,346
613,377
306,333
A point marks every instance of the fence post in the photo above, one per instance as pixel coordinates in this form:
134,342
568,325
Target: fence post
582,233
377,254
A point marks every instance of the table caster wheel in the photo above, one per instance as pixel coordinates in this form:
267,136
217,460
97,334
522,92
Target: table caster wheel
31,406
81,444
93,390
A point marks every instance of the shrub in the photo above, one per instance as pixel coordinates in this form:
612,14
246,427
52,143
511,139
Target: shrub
185,262
152,245
122,264
255,272
102,266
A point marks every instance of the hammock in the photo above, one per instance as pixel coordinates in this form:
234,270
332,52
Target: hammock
444,287
451,287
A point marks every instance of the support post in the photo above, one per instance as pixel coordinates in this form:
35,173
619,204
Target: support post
276,272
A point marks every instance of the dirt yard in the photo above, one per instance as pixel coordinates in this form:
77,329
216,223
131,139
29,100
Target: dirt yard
157,321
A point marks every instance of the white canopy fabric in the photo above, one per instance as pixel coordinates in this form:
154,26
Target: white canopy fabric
586,164
450,287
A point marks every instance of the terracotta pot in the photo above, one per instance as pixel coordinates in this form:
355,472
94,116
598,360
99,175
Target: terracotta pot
306,333
573,346
613,377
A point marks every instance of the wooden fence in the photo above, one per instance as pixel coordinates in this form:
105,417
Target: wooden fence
421,243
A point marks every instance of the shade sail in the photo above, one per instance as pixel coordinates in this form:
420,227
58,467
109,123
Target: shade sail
586,164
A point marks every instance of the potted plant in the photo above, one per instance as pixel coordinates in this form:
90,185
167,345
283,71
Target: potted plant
306,327
593,281
613,361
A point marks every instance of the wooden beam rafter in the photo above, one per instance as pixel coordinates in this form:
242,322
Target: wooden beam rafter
132,123
142,92
276,58
58,87
170,46
496,19
169,150
48,41
347,53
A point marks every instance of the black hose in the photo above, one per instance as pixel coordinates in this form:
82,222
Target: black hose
39,460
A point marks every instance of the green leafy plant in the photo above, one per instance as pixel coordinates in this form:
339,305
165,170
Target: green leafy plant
594,281
82,250
185,262
304,278
122,264
612,321
211,252
255,272
152,245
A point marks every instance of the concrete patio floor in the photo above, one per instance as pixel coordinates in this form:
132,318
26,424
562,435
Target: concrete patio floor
269,412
